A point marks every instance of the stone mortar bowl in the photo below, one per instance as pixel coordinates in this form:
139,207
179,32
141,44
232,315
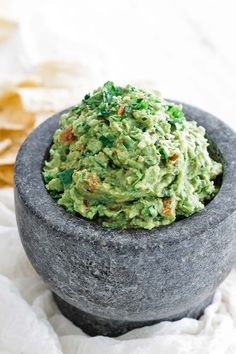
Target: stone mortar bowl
109,281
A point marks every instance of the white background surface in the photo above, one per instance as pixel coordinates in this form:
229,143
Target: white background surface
184,48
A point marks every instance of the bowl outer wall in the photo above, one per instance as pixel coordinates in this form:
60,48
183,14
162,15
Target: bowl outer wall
127,274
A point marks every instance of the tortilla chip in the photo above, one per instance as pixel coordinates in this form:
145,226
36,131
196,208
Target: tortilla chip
12,113
10,126
42,99
4,144
3,184
60,74
30,83
9,155
14,135
7,173
6,28
15,123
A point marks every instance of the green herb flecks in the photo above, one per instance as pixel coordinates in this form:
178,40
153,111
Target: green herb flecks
133,160
66,176
107,140
109,90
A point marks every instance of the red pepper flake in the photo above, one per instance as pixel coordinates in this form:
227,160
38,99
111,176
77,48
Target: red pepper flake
121,110
173,157
167,210
67,135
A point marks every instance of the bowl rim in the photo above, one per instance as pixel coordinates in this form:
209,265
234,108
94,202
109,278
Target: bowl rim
29,184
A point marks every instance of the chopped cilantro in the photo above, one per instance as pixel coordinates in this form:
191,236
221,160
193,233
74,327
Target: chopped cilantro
128,109
102,113
55,195
87,96
94,100
66,176
47,178
107,140
76,109
163,152
138,103
109,90
176,113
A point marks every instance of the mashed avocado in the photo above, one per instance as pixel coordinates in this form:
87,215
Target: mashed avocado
125,157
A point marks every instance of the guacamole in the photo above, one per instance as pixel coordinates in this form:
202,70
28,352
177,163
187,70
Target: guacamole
125,157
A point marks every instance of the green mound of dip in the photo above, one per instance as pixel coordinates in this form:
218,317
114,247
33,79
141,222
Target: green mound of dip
125,157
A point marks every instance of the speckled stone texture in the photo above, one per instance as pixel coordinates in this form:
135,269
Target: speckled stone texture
111,281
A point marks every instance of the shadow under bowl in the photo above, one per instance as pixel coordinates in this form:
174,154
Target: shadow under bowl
109,281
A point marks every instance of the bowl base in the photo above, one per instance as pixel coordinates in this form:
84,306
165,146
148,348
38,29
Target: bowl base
95,325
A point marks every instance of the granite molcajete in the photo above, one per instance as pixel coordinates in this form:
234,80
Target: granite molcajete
109,281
